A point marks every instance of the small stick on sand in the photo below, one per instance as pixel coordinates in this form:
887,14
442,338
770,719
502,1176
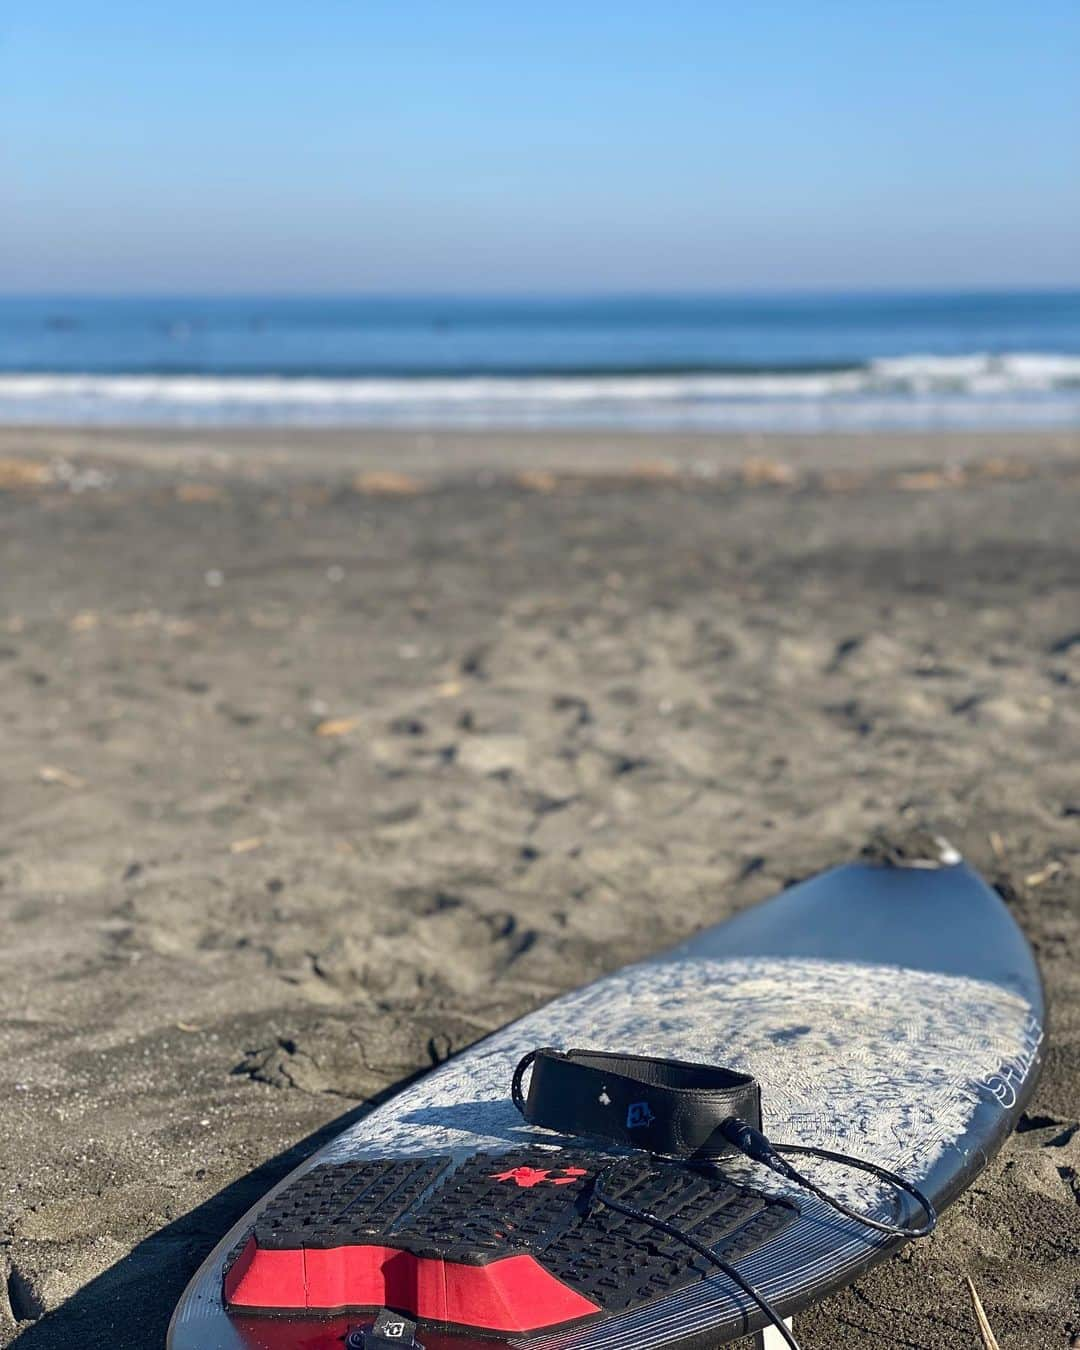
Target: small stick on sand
246,845
1044,874
989,1340
337,726
52,773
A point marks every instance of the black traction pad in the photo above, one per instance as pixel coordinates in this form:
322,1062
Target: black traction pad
532,1201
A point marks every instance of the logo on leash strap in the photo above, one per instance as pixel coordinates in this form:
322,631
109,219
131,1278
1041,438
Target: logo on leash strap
533,1176
638,1114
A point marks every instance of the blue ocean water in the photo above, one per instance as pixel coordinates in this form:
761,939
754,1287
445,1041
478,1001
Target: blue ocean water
765,363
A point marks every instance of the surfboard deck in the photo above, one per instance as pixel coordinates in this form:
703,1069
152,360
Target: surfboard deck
893,1013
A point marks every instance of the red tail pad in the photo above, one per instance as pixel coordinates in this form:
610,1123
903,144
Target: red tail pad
514,1294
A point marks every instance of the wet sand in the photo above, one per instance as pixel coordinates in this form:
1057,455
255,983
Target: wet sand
327,753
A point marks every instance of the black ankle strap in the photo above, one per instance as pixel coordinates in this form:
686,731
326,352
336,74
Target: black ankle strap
663,1106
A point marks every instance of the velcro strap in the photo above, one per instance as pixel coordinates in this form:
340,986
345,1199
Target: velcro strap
663,1106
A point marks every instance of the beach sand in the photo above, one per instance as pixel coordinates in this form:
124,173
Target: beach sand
327,753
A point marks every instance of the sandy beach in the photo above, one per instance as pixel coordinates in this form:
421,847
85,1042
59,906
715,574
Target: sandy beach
327,753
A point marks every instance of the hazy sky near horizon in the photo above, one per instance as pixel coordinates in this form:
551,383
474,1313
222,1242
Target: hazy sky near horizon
436,147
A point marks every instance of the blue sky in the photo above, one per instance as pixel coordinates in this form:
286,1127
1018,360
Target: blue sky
450,146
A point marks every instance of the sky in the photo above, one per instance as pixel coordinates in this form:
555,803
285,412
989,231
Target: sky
447,146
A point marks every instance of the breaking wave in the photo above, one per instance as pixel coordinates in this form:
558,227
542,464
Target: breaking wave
1022,389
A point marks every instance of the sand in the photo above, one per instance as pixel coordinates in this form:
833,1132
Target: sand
325,754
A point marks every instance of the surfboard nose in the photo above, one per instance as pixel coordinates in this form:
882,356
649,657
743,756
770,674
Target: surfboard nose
943,919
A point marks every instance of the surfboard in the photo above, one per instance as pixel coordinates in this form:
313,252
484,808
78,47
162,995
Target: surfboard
894,1013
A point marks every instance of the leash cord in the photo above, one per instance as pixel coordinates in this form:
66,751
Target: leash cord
760,1149
599,1196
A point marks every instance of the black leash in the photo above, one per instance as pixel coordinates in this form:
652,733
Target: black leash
599,1196
680,1110
762,1150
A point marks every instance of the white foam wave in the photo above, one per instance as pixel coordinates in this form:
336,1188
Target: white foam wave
909,390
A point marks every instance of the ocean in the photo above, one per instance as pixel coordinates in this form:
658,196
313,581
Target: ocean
764,363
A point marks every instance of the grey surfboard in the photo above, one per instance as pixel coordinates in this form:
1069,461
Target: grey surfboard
893,1013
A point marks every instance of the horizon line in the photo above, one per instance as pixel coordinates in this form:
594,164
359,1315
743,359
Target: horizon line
553,296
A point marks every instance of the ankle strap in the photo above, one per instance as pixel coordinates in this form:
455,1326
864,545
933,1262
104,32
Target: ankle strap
663,1106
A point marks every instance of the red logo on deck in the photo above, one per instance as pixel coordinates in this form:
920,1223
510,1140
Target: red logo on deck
533,1176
